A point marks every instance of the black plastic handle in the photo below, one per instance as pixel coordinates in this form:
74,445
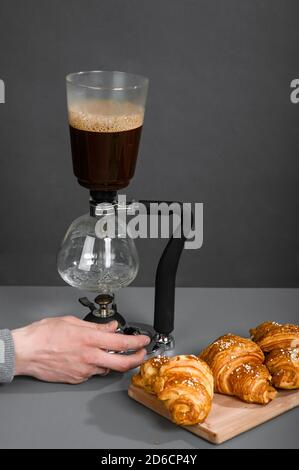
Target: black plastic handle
166,276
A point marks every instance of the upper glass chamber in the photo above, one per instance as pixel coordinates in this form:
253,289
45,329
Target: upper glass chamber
105,113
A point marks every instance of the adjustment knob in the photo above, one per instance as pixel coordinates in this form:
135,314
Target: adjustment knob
104,300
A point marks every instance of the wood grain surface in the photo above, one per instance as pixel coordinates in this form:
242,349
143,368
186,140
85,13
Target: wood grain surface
229,416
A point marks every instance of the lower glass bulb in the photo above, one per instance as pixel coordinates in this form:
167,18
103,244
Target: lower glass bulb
92,261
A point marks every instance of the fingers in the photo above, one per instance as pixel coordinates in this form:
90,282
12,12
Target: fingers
111,326
101,371
119,342
120,362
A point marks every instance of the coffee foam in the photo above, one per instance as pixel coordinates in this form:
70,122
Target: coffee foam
105,116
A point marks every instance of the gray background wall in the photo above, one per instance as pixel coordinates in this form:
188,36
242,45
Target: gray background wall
220,128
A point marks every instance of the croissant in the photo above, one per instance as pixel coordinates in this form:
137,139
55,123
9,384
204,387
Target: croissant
271,335
183,383
283,365
148,373
237,366
281,345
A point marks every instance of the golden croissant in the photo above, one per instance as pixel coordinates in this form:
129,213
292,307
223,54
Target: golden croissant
148,373
281,345
237,367
183,383
271,335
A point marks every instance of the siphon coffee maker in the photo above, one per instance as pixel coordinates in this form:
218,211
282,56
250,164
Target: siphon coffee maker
106,113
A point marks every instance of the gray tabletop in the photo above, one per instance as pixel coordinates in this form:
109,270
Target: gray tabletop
98,413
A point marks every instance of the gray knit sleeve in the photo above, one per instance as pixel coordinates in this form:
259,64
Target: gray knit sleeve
7,356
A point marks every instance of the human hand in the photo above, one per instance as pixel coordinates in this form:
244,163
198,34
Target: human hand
69,350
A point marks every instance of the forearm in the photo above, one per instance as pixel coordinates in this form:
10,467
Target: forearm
7,356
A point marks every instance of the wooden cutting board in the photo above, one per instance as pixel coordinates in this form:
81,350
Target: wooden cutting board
229,416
